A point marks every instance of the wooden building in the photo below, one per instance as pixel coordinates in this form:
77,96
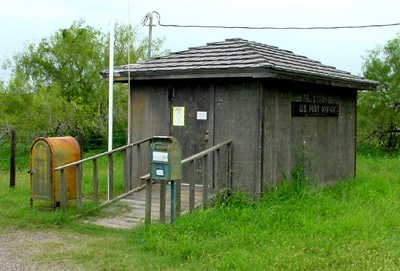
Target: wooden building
281,110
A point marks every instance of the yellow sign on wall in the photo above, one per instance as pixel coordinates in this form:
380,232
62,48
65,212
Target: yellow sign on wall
178,116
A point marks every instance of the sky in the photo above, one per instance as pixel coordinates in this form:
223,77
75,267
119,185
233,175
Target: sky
28,21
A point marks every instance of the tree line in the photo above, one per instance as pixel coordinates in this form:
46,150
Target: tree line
378,112
55,85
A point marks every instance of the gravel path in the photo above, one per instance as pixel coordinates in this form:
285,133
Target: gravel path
17,248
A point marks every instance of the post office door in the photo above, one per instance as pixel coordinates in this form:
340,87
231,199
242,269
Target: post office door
192,118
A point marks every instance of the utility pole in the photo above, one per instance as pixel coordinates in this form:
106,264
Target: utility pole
110,183
149,16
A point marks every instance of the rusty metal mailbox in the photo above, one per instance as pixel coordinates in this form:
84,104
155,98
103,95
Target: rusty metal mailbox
165,158
46,155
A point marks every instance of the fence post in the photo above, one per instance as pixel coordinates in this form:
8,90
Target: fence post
79,138
13,157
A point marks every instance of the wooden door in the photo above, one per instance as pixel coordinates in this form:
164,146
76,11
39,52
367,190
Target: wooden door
192,125
192,119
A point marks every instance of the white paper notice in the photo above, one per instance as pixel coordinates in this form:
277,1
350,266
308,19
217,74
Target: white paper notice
159,172
160,156
178,116
201,115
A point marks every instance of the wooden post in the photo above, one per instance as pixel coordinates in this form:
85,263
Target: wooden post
79,138
125,168
173,210
13,154
63,191
230,161
178,192
192,186
217,176
163,200
95,181
79,187
147,216
204,180
139,166
110,177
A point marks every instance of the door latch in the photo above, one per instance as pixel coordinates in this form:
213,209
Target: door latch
206,137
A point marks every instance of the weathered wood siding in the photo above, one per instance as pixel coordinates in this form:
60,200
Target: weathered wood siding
238,118
268,142
323,145
150,116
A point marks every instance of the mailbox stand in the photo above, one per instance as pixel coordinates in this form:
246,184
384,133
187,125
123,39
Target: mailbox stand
165,166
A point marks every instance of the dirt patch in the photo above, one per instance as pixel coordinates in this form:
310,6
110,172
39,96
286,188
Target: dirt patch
18,250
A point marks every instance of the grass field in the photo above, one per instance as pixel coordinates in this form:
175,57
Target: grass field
354,225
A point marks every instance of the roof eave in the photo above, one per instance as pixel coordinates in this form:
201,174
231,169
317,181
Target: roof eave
326,80
123,76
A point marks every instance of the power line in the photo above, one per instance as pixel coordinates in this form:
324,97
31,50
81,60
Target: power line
273,28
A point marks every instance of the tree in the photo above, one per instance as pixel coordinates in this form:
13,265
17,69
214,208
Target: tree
379,111
57,82
59,74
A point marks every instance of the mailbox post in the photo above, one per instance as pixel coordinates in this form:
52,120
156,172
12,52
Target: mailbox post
165,166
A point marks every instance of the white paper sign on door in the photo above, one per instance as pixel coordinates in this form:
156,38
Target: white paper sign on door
201,115
178,116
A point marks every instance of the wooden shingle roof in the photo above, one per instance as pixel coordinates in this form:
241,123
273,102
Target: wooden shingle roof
239,58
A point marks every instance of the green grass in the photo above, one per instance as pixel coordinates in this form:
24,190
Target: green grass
354,225
87,177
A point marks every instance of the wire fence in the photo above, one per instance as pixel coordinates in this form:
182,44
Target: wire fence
24,140
378,139
92,145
